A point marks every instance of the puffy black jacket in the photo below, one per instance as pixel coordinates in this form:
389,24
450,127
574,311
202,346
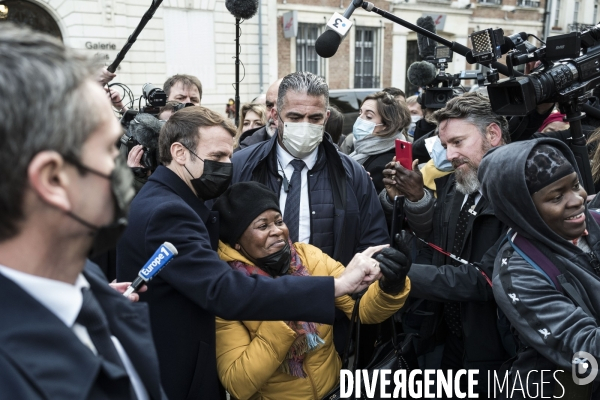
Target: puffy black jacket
346,216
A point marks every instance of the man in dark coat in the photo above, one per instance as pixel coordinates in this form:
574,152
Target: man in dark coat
339,211
65,333
195,149
463,313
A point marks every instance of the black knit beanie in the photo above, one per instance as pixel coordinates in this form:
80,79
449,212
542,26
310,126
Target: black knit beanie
240,205
545,165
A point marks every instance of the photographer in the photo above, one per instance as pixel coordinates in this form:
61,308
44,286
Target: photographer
457,297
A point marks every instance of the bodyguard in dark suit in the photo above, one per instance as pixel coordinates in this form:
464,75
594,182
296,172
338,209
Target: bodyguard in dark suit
195,148
64,333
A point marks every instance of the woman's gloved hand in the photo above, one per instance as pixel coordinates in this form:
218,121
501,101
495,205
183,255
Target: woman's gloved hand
394,265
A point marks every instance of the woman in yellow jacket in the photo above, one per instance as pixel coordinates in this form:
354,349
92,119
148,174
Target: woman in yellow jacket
288,359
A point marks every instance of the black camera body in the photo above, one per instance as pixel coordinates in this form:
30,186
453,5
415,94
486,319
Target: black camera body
149,160
566,80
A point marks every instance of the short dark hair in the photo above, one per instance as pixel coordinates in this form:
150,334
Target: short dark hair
395,115
334,123
45,107
184,127
475,109
394,91
186,80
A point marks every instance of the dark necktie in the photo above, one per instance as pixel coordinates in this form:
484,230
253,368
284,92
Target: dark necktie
92,317
452,309
291,215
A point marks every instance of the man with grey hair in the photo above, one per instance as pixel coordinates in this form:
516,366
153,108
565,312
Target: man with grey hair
458,297
327,199
65,333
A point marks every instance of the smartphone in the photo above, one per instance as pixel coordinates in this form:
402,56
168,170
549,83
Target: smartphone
404,153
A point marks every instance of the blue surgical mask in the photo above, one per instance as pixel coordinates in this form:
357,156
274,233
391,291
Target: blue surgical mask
363,128
438,155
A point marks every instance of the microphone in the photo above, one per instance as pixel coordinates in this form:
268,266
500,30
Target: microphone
337,28
426,45
145,128
242,9
153,266
421,73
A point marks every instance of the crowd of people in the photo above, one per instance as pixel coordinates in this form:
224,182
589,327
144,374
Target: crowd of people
277,223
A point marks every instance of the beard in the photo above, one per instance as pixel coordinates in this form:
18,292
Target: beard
466,177
270,129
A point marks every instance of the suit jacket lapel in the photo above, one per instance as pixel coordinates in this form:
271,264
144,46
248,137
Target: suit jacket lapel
42,347
130,323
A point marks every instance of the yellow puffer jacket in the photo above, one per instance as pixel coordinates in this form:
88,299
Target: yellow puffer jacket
250,352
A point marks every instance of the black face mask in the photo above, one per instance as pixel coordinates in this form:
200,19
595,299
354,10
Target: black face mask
215,179
121,182
276,264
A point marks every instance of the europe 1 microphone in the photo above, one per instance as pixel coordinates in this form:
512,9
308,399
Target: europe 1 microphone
153,266
337,28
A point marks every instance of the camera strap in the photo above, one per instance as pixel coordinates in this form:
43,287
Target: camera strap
454,257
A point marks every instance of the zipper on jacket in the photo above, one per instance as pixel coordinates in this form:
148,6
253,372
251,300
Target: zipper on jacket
595,262
312,383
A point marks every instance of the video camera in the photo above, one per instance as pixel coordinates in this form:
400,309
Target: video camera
569,71
439,87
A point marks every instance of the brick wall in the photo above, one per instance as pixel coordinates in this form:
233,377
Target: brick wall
386,78
283,51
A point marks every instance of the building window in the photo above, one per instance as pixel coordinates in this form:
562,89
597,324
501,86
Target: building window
496,2
557,14
528,3
366,67
306,56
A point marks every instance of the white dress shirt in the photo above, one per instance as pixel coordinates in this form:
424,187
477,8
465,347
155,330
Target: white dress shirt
284,160
64,300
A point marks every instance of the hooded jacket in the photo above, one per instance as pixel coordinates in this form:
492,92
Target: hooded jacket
548,326
249,352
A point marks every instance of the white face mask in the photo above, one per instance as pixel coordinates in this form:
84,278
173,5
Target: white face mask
413,124
301,138
363,128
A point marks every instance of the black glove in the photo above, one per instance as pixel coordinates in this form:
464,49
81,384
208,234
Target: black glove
394,265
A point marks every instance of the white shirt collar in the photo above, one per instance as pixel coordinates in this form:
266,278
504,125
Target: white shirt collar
285,158
62,299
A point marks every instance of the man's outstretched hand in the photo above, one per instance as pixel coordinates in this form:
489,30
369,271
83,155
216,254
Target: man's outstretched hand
359,273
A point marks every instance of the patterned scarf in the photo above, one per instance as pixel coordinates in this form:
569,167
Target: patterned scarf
308,338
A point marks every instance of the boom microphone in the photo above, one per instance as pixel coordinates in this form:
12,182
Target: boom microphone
426,45
243,9
337,28
153,266
421,73
145,128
